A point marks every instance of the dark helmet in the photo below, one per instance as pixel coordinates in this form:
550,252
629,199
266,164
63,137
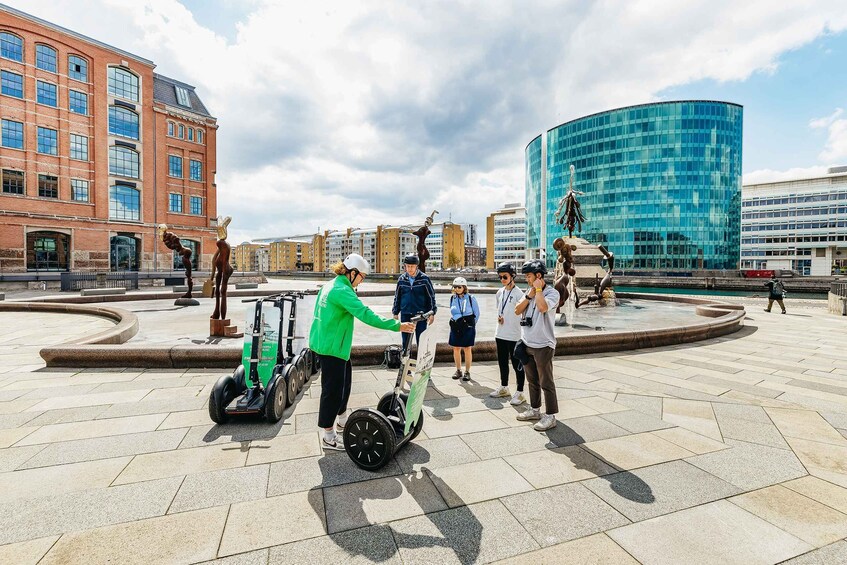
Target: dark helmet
534,266
411,260
506,268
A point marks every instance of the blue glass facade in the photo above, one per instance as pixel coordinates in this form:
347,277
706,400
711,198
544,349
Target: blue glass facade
661,183
533,193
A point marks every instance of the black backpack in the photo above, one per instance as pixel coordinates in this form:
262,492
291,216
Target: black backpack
393,356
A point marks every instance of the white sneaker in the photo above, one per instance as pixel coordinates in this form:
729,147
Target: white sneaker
529,414
333,444
546,422
517,399
501,392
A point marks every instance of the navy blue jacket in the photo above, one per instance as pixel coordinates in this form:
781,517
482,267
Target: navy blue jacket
414,295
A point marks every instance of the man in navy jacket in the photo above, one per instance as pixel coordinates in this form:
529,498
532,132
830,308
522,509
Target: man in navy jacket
414,294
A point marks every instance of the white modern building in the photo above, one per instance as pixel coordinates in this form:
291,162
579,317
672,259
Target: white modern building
506,236
471,234
798,224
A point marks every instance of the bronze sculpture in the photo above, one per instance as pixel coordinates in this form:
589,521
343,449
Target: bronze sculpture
564,270
573,217
422,232
221,269
173,243
600,287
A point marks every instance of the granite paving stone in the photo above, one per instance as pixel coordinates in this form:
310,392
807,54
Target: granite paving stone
241,431
636,450
373,544
66,415
479,533
718,532
689,440
435,453
180,538
26,552
330,469
301,515
11,436
69,512
824,456
822,491
457,490
596,549
465,423
636,422
805,424
154,407
561,513
9,421
95,428
258,557
282,448
660,489
81,400
602,405
832,554
180,462
185,419
806,519
575,431
550,467
752,432
750,466
59,479
692,415
500,443
740,412
218,488
356,505
650,405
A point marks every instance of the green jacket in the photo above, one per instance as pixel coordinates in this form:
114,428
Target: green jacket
332,327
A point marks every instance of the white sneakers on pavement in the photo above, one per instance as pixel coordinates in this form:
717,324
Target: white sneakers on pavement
529,414
502,392
334,443
546,422
517,399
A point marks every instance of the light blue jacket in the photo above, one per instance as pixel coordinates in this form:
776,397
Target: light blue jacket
464,306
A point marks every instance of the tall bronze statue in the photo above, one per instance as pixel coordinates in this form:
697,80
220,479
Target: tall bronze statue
564,270
173,243
600,286
572,218
422,232
221,269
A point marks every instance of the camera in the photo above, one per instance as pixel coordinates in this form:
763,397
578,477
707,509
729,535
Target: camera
526,322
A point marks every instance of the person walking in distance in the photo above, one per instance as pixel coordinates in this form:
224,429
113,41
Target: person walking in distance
776,293
538,345
413,295
507,334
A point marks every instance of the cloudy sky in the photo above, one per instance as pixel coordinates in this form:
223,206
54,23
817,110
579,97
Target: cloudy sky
336,114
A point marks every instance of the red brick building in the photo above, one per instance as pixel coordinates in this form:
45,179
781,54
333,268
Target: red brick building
96,151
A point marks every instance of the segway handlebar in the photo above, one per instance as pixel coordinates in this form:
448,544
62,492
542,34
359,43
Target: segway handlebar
421,317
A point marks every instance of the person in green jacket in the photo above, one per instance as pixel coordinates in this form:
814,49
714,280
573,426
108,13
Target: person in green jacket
331,337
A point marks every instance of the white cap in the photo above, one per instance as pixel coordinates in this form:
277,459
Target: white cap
460,281
356,261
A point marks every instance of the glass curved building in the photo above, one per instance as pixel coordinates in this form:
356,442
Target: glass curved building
661,184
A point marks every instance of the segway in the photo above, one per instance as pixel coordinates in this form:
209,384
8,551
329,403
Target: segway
276,374
371,437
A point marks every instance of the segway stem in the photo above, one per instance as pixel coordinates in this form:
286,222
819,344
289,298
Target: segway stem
404,362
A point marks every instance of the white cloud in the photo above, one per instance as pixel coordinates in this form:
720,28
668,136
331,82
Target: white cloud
835,149
769,175
343,113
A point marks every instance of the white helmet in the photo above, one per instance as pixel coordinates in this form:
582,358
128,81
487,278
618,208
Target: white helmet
356,261
460,281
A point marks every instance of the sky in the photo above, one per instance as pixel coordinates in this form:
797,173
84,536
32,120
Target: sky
336,114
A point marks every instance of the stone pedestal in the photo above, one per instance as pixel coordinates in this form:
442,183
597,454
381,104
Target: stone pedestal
587,259
186,302
208,288
222,328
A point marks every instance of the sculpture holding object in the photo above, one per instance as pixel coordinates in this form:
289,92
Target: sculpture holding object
572,216
172,242
221,272
422,232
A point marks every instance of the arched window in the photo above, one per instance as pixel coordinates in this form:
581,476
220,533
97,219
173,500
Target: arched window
77,68
123,122
123,162
123,83
123,253
47,251
171,129
124,203
11,47
45,58
195,256
199,136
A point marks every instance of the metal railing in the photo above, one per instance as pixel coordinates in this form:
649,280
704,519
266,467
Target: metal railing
839,288
119,279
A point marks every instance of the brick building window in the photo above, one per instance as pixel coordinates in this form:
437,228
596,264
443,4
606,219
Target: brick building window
78,102
197,205
175,166
46,93
123,162
123,83
199,136
45,58
79,147
124,253
13,182
190,134
124,203
48,186
123,122
77,68
11,47
79,190
181,131
12,84
195,170
175,203
47,251
171,129
48,141
12,134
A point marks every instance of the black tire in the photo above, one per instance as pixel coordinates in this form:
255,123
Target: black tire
240,378
385,402
369,439
290,375
222,394
316,363
300,363
309,360
276,399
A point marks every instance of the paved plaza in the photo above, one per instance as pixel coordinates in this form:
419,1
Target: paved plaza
732,450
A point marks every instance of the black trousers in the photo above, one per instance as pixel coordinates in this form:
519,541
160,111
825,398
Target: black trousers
336,378
419,328
506,353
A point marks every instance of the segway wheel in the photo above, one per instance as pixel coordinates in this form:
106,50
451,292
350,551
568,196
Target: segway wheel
222,394
240,380
306,354
300,363
369,440
316,362
385,403
290,375
276,397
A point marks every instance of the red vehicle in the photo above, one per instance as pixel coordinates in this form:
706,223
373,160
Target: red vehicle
757,273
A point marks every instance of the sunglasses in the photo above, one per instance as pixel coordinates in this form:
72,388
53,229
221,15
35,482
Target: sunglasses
459,286
504,277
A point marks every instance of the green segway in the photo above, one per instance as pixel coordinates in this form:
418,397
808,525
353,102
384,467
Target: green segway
276,374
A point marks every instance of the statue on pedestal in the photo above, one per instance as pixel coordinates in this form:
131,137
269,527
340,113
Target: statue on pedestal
422,232
572,218
173,243
221,271
563,275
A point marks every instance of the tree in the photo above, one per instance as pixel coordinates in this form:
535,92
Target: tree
452,260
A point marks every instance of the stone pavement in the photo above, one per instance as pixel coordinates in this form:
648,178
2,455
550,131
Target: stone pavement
728,451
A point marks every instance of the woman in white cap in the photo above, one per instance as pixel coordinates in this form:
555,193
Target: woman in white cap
464,314
331,337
